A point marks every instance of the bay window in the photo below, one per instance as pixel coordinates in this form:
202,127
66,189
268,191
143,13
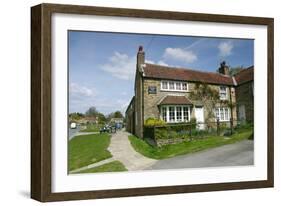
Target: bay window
172,114
164,114
179,114
175,113
186,112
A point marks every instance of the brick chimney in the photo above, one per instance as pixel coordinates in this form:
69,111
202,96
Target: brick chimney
140,56
224,69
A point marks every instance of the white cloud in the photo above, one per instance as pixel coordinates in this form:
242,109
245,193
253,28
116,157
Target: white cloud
225,48
77,90
121,66
149,61
179,54
160,62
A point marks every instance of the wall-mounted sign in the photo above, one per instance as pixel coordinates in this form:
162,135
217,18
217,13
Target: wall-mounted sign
152,90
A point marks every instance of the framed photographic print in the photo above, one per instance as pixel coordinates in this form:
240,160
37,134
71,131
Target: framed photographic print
130,102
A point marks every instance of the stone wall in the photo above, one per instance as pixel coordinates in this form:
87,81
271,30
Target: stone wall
130,117
245,96
138,115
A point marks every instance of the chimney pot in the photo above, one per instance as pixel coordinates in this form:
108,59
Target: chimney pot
224,69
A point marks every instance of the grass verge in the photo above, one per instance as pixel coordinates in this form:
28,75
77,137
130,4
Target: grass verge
91,128
87,149
172,150
114,166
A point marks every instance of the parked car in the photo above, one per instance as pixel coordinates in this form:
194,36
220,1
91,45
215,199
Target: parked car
73,125
104,129
108,128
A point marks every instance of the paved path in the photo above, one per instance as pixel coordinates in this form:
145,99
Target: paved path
121,150
238,154
92,165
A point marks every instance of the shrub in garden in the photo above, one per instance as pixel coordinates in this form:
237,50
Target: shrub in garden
150,122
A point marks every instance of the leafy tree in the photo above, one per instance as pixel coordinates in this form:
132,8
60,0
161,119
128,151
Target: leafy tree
234,70
76,116
101,118
92,111
116,114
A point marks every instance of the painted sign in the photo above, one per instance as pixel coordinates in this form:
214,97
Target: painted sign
152,90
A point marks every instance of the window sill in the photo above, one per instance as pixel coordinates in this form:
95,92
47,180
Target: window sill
167,90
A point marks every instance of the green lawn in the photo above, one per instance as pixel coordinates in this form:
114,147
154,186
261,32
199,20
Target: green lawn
87,149
114,166
185,147
91,128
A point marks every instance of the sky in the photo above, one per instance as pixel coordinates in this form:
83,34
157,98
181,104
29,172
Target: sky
102,65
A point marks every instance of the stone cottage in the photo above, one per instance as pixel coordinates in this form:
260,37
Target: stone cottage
245,94
164,93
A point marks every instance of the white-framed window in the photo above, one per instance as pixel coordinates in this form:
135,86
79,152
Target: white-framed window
186,114
164,85
174,86
179,114
175,113
172,114
178,86
171,86
184,86
164,114
223,92
222,113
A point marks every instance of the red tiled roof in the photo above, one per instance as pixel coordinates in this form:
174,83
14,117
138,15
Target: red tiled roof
174,100
245,75
164,72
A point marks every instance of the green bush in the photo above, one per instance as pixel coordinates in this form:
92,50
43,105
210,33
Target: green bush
172,131
150,122
161,133
193,122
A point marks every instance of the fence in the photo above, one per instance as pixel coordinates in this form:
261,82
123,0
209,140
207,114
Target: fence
175,133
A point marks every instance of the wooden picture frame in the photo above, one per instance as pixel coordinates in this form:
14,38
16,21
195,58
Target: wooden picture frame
41,117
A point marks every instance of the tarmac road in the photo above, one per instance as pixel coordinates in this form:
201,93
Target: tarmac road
237,154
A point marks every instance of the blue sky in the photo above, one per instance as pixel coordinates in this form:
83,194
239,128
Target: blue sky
102,65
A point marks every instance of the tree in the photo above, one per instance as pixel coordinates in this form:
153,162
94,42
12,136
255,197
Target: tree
101,118
234,70
118,114
92,111
75,116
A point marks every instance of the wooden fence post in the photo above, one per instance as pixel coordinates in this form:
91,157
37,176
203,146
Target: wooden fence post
190,132
218,127
231,125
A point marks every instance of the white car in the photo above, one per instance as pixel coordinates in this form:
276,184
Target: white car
73,125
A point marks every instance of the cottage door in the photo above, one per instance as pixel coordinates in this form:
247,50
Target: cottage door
199,115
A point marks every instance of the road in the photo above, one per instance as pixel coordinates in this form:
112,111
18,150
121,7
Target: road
73,132
238,154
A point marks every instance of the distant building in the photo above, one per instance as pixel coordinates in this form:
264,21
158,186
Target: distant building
90,120
118,122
